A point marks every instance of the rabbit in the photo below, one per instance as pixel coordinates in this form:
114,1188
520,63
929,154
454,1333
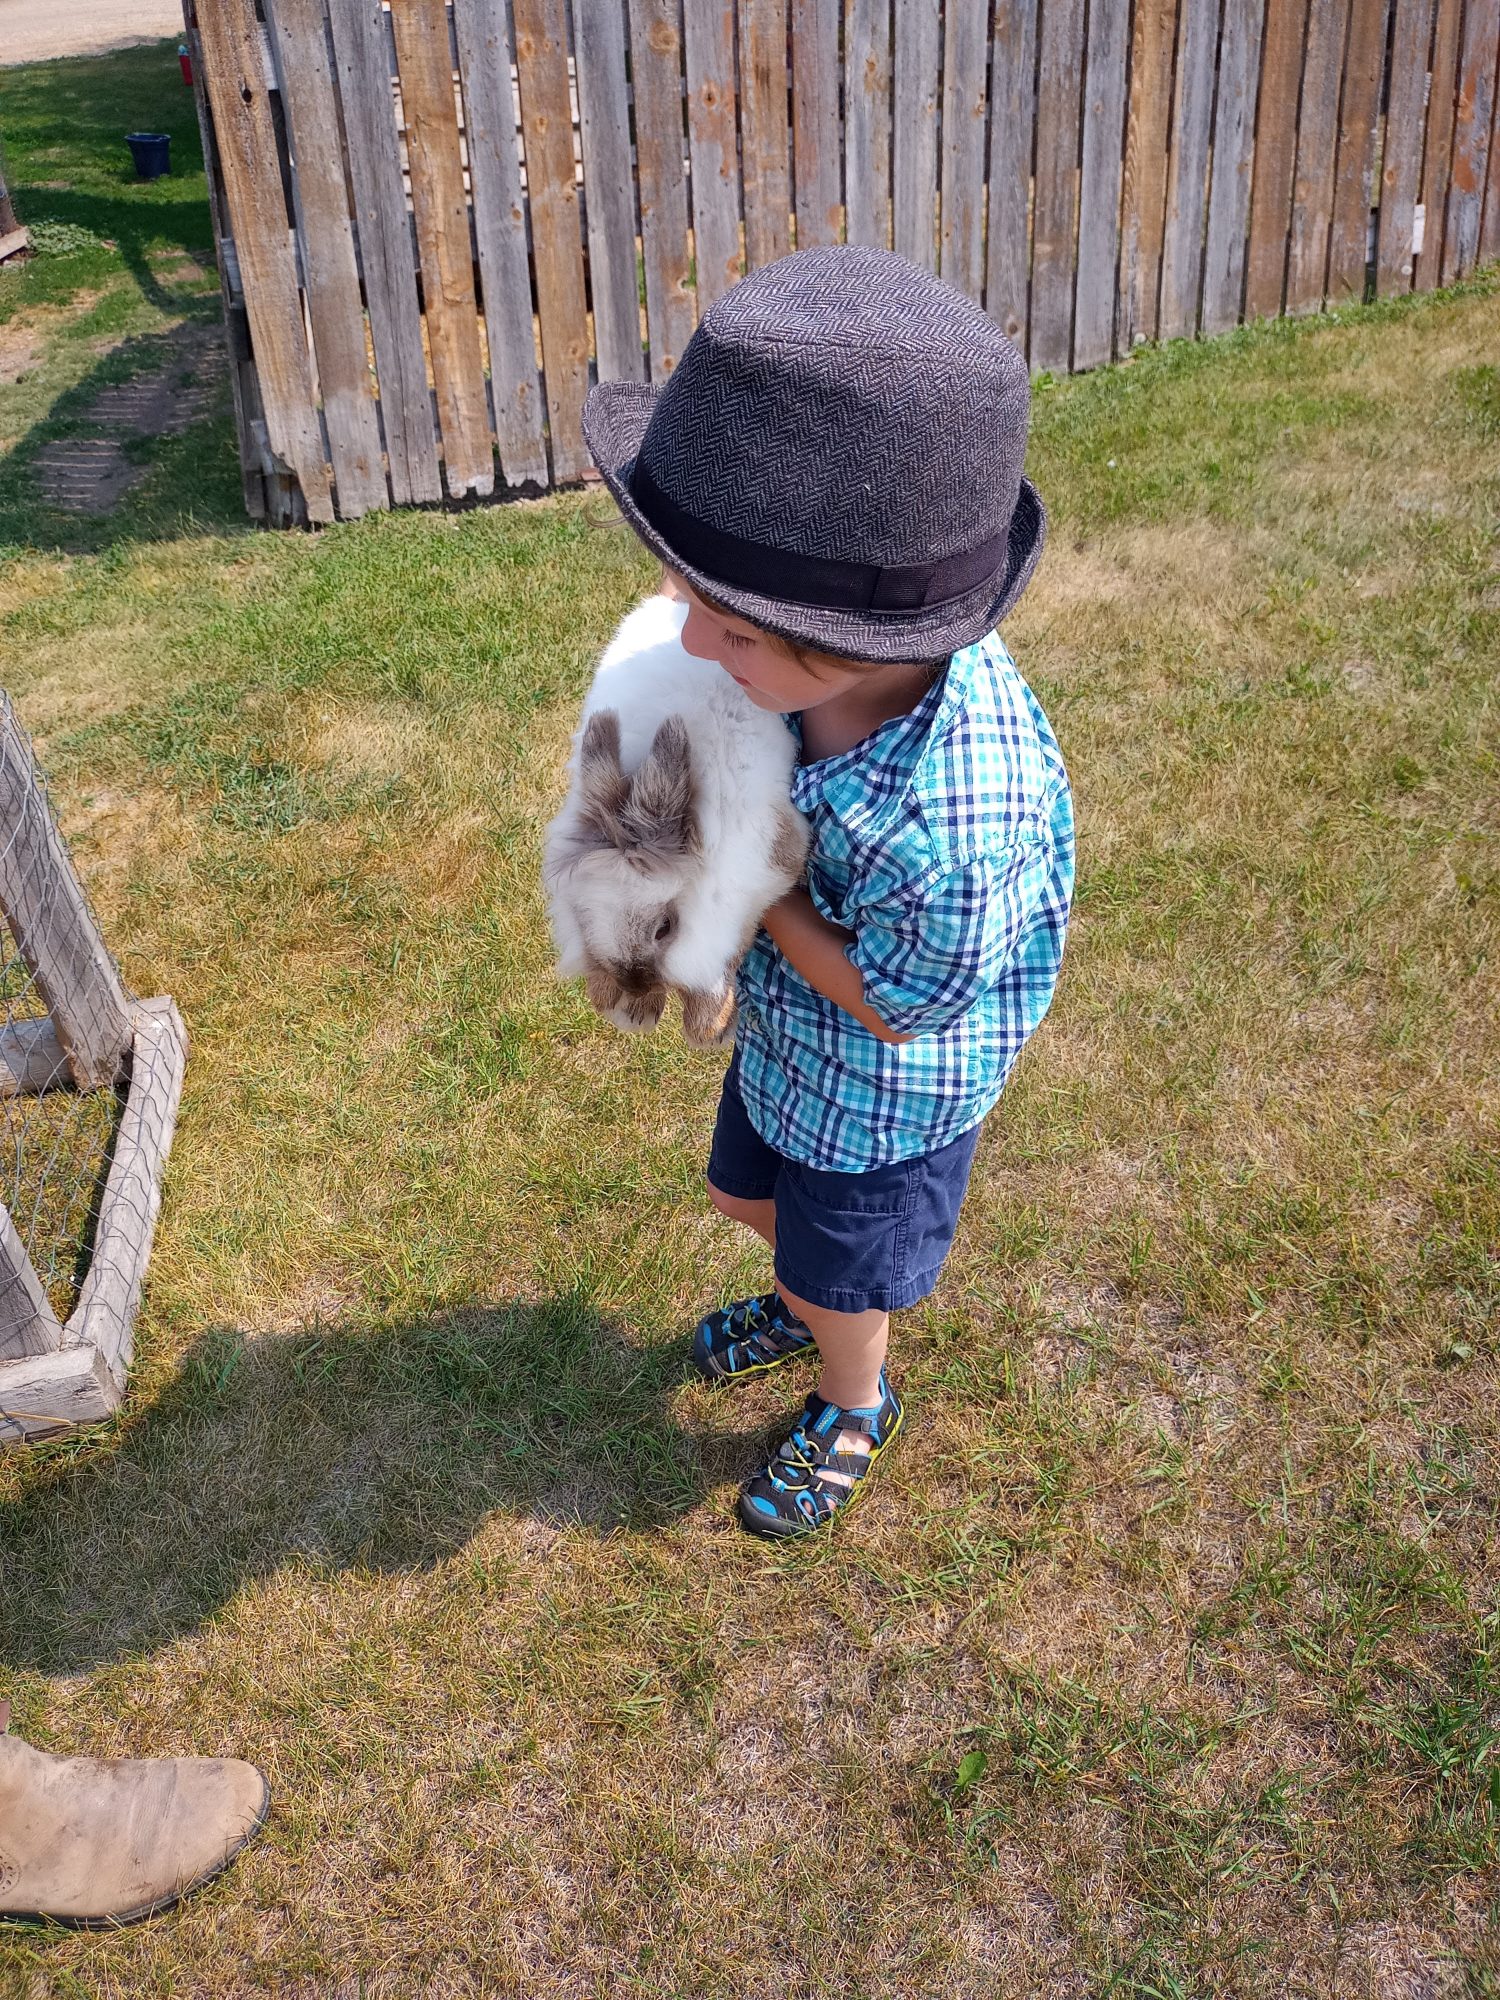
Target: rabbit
678,831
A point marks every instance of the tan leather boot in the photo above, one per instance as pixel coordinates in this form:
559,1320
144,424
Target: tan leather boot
90,1841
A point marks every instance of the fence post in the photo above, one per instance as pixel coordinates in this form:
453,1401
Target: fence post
44,904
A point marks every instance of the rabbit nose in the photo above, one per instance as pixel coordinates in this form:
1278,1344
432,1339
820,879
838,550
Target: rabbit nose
638,979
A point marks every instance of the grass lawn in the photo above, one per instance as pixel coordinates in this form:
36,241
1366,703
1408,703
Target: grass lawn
1163,1659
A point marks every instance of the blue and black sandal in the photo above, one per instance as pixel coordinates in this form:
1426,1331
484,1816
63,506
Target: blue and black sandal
794,1494
748,1338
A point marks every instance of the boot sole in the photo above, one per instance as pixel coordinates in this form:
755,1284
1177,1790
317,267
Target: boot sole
118,1920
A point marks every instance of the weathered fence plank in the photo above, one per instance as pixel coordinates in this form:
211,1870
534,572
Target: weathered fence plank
51,1392
31,1058
1317,139
1489,227
867,123
815,121
608,188
1438,150
305,73
442,216
547,133
965,101
656,72
51,923
500,237
765,133
1401,156
1275,157
1187,171
250,160
387,255
1144,193
28,1325
1007,275
1234,151
918,61
1055,237
1348,243
1099,188
1473,116
708,26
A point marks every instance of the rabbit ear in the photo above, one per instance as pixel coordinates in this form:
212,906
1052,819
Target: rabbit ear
660,821
602,785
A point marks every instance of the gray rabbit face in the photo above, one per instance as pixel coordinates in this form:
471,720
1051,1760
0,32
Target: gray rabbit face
632,846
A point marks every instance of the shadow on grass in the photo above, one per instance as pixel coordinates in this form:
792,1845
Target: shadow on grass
135,227
188,474
342,1448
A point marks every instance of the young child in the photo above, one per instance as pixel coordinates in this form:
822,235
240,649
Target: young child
832,478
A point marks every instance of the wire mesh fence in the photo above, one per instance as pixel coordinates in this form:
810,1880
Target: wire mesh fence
89,1085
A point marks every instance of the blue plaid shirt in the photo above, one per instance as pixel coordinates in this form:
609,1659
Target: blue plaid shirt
944,841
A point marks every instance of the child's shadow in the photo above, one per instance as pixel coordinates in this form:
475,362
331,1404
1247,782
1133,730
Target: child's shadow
377,1449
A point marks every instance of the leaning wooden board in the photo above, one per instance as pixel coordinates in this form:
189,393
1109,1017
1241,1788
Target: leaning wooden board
1007,264
1401,160
1187,173
387,251
1275,157
867,122
1317,140
1054,248
249,159
815,120
712,97
1437,155
500,238
965,105
1234,152
547,128
1144,193
917,70
1354,174
656,67
1099,185
608,188
310,101
765,134
442,216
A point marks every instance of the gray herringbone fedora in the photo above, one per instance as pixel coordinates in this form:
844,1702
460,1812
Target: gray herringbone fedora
837,458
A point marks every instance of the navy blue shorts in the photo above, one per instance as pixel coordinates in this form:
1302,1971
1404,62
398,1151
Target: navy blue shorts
851,1242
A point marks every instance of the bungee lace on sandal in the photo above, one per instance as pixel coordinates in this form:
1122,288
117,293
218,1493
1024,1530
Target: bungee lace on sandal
794,1493
747,1338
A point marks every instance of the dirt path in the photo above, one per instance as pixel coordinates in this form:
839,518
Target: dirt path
34,30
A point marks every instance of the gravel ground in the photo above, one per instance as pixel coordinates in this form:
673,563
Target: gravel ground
33,30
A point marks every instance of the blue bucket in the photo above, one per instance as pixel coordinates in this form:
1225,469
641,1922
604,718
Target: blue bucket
152,153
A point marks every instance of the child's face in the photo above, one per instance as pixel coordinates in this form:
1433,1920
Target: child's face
771,680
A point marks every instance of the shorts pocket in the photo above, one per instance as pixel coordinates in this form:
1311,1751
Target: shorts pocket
882,1191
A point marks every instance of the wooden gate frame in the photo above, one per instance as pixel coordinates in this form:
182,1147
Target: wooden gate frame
94,1036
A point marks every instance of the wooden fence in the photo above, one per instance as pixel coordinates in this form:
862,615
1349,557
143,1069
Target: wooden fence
439,220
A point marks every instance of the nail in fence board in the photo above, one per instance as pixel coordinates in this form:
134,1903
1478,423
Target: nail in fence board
1007,275
500,237
1437,154
608,188
1275,157
557,241
1144,195
708,27
442,216
1099,189
765,134
28,1325
656,70
50,920
1353,189
1234,150
305,74
816,151
867,122
1401,155
965,103
1472,119
1054,245
1187,171
387,252
1317,138
250,161
918,60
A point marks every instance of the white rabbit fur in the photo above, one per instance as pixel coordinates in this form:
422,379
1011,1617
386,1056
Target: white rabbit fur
675,835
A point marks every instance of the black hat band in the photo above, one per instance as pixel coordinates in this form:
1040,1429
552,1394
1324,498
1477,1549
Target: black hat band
823,581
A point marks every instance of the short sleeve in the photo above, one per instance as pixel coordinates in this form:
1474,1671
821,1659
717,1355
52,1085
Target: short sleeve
927,954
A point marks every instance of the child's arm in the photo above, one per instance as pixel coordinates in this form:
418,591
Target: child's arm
816,948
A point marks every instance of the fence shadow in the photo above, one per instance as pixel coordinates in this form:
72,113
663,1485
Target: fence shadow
343,1447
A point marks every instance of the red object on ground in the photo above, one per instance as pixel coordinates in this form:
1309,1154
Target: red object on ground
185,64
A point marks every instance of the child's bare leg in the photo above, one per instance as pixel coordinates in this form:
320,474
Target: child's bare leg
757,1215
853,1348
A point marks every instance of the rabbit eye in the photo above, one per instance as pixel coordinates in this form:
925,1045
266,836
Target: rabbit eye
664,929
